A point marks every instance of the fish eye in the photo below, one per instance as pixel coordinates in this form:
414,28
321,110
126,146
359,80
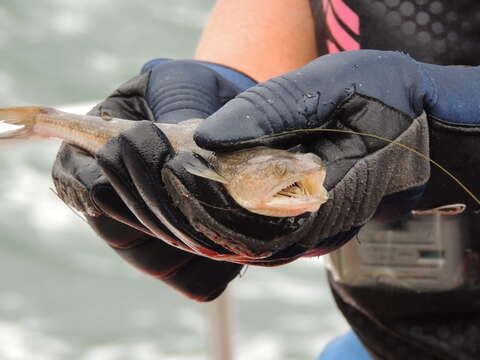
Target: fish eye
280,169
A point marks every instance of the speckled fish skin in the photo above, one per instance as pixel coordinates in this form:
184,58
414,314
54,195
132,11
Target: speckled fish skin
263,180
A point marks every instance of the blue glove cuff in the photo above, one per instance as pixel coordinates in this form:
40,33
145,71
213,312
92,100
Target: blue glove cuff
239,79
454,93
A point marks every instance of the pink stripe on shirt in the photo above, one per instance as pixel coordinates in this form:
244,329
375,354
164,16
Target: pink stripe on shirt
338,33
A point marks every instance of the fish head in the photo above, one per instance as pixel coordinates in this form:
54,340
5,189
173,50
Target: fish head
279,183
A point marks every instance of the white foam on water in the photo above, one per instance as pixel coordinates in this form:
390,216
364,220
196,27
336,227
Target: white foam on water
143,318
70,22
96,264
103,62
316,262
185,14
84,5
11,301
4,39
135,351
105,352
313,346
262,346
19,343
6,85
188,16
5,20
282,287
296,323
191,319
47,213
247,290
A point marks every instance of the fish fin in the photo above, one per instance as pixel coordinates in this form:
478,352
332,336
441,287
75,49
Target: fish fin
199,167
18,122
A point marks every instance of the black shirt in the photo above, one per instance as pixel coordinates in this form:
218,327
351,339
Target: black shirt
435,31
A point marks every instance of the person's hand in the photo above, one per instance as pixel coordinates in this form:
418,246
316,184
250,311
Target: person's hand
122,193
432,109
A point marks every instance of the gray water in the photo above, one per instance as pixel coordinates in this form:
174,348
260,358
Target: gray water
63,293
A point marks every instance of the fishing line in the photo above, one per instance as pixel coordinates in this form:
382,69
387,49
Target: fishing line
193,198
463,186
406,147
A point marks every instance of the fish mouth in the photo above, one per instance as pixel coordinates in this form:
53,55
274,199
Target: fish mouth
304,193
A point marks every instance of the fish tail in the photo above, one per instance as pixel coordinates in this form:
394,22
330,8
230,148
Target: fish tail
23,120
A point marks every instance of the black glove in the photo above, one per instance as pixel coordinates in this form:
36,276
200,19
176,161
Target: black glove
384,94
122,192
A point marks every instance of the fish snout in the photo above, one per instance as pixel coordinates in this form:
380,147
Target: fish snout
295,197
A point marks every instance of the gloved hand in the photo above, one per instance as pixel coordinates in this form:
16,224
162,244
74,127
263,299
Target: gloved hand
388,94
122,191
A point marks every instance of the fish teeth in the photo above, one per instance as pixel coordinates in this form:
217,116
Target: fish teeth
294,190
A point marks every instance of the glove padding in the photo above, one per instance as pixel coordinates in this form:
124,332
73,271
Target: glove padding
383,94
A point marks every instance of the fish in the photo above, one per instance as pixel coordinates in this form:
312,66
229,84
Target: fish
266,181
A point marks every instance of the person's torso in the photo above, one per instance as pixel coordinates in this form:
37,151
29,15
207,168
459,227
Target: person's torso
435,31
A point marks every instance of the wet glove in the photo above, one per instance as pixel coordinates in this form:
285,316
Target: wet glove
432,109
122,191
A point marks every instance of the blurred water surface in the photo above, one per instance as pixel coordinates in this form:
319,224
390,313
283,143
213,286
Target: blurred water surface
63,293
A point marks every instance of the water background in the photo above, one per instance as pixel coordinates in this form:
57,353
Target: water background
63,293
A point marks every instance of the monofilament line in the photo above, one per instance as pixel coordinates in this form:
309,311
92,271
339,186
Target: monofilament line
463,186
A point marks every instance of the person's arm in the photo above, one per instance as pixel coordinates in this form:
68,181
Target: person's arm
262,38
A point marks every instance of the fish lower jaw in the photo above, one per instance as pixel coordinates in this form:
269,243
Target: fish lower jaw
281,212
278,207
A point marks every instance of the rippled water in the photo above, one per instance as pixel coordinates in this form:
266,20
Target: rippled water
63,293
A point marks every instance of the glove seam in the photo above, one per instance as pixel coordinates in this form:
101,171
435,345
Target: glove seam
126,180
129,186
293,83
285,88
301,93
270,105
425,75
122,97
244,96
174,107
132,244
205,63
413,182
461,127
143,163
184,86
290,93
175,269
